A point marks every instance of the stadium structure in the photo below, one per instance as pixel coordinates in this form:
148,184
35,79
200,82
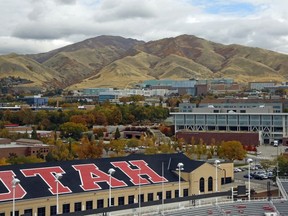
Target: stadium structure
99,186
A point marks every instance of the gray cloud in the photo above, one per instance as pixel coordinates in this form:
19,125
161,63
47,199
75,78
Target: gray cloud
66,2
35,25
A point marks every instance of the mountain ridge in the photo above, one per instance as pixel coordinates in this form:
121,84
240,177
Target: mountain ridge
114,61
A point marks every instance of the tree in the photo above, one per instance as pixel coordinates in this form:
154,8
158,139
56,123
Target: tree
71,129
118,146
24,160
60,152
117,134
232,150
151,150
3,162
166,148
266,164
99,132
34,134
90,149
133,143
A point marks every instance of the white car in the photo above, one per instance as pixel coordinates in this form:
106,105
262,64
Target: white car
237,170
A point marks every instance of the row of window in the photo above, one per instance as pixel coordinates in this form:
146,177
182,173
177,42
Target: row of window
66,208
202,184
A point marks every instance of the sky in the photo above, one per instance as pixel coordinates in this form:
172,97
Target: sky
36,26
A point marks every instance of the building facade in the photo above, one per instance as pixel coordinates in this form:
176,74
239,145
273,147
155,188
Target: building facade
270,126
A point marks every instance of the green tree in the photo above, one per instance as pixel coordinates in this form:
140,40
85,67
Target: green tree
71,129
117,134
34,134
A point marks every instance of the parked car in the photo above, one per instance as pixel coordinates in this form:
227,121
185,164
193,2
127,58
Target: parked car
248,176
260,176
237,170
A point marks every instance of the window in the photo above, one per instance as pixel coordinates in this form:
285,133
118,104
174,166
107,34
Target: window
100,203
131,199
27,212
159,195
66,208
89,205
141,198
150,197
176,193
77,206
210,184
53,210
16,213
41,211
112,201
121,201
185,192
201,185
168,194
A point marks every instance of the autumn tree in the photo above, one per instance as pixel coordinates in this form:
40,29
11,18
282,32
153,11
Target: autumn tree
59,152
89,149
118,146
24,160
99,132
3,162
151,150
133,143
166,148
232,150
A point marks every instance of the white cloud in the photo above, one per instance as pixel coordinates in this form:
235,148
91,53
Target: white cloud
33,26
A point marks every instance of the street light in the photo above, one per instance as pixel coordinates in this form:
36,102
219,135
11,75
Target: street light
58,176
180,167
14,182
249,161
111,171
216,162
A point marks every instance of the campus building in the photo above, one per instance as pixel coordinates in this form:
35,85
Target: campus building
267,121
85,184
23,147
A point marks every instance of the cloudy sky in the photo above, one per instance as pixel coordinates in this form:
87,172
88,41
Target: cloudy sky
34,26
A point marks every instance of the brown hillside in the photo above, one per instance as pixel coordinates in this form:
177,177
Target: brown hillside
14,65
111,61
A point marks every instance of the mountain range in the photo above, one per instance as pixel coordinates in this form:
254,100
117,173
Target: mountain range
113,61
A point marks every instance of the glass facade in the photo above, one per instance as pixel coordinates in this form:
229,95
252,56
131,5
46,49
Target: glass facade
274,125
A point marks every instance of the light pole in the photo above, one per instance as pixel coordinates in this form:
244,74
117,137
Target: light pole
139,191
216,162
14,182
111,171
180,167
249,161
58,176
